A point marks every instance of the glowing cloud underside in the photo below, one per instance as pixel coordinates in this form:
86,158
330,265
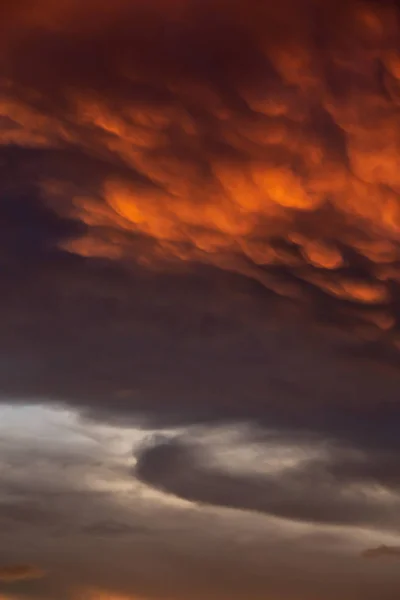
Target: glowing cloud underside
270,151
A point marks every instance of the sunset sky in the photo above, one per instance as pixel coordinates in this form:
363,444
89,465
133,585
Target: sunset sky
200,294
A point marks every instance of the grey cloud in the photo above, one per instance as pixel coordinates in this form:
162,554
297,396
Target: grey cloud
125,341
153,549
112,528
308,492
80,332
382,552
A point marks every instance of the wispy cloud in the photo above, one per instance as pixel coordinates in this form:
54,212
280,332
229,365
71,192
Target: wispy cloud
11,573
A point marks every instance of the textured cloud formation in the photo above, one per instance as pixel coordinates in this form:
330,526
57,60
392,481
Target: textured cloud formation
12,573
199,226
166,201
269,151
333,489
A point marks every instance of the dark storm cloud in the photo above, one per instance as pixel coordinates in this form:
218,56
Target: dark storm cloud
382,552
313,491
168,348
264,136
199,224
166,200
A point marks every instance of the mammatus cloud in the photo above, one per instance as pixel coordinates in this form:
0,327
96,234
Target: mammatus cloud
200,218
270,151
168,205
382,552
11,573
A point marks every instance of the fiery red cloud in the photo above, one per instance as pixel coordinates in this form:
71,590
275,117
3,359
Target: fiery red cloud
263,137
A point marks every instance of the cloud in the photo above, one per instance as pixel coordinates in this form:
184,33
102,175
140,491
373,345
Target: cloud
189,192
311,491
234,154
130,540
200,215
382,551
11,573
112,528
167,212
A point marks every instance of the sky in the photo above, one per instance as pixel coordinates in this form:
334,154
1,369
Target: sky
200,300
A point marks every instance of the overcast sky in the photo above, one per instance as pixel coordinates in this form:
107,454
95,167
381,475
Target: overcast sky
200,267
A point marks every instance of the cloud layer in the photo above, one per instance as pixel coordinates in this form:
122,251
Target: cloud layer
334,489
10,573
161,191
269,152
99,531
199,228
382,551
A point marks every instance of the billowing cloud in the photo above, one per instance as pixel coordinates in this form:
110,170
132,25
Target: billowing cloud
193,195
200,218
193,232
269,152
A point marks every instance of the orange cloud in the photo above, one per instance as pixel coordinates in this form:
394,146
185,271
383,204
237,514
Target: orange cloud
10,573
99,594
265,147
